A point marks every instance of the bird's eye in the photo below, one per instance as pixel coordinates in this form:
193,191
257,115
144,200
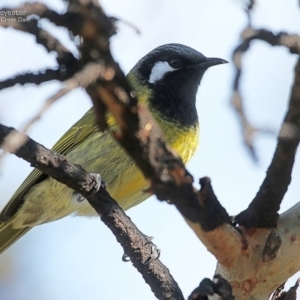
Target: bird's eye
175,63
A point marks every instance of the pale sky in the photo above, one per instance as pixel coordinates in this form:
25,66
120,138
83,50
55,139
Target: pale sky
78,258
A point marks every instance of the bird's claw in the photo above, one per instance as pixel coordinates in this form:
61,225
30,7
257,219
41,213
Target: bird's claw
155,253
125,257
99,183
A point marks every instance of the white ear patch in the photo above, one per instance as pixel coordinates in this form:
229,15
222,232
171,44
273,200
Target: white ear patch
159,70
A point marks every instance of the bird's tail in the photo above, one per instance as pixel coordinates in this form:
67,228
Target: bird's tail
8,234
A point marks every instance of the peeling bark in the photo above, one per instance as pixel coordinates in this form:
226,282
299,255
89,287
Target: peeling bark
256,272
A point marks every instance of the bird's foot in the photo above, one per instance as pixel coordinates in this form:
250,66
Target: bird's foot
99,183
155,252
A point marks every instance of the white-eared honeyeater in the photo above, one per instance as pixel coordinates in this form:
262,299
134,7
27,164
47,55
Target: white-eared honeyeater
166,80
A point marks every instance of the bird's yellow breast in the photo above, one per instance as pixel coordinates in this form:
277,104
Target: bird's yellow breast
184,140
129,191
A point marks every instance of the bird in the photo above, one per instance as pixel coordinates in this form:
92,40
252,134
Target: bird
166,80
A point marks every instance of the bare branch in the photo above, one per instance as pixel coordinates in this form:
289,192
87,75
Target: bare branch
262,211
44,38
251,5
89,74
292,42
135,245
40,77
156,275
68,64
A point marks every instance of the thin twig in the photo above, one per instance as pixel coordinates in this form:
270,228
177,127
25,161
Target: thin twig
292,42
43,37
40,77
83,78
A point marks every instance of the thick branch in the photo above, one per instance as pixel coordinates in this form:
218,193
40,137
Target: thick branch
271,257
132,240
262,211
287,261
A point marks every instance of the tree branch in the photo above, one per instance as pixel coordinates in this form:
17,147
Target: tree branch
135,245
292,42
262,211
43,37
270,258
40,77
85,77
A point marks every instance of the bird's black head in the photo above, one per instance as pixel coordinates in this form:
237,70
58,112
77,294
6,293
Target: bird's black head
173,73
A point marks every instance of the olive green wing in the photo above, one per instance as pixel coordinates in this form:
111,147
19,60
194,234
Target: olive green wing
9,235
74,136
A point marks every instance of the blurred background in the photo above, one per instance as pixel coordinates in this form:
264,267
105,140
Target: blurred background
79,258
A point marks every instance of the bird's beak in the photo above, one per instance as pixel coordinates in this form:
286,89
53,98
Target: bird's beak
209,62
